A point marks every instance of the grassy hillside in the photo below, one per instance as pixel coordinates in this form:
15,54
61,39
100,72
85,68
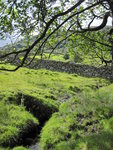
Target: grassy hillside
81,108
84,123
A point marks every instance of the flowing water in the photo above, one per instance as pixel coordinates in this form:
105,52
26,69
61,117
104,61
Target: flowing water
35,146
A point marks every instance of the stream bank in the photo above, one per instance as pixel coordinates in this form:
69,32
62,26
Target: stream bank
39,93
29,135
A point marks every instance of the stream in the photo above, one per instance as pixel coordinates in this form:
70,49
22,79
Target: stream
35,146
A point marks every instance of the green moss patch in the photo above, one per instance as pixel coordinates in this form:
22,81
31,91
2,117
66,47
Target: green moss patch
15,122
20,148
37,106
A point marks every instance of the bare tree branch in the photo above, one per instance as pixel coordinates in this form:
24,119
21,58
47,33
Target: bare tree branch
101,43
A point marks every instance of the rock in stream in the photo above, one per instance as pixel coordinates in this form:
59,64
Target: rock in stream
35,147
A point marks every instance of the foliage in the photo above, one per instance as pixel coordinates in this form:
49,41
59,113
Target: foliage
66,56
94,45
53,25
53,56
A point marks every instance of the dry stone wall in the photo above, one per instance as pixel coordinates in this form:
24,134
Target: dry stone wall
84,70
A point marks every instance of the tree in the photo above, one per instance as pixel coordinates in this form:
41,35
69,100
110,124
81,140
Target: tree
93,45
53,24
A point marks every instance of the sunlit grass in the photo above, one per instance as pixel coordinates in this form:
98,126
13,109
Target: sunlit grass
84,122
71,93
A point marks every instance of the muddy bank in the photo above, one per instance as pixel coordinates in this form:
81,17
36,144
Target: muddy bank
37,107
29,134
25,134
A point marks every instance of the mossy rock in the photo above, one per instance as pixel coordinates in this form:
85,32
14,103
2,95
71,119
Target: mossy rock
20,148
15,125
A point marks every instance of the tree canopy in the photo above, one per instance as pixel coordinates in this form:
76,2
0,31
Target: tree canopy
53,22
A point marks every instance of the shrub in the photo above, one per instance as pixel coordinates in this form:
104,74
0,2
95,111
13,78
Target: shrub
66,56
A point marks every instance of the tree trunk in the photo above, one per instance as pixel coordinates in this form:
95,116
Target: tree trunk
112,39
111,35
110,2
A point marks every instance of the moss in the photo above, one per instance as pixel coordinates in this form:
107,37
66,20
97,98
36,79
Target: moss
15,148
40,108
20,148
14,124
3,148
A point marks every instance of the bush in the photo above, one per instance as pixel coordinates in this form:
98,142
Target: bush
77,58
66,56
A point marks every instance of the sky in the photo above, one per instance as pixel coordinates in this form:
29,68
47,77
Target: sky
97,22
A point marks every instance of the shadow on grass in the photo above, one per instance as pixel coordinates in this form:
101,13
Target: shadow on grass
101,141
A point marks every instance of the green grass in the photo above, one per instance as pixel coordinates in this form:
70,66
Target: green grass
46,83
87,60
13,119
84,123
47,87
46,91
56,57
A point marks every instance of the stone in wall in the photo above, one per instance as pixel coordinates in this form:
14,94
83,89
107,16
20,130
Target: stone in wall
83,70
